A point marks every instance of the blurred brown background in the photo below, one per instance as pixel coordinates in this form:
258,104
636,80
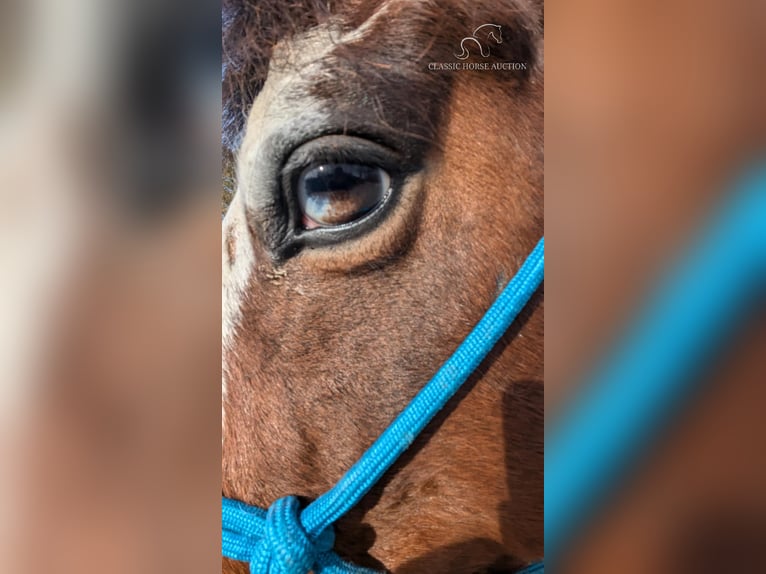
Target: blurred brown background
109,240
110,249
651,108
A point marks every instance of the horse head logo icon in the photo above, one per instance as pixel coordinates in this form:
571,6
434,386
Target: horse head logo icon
481,37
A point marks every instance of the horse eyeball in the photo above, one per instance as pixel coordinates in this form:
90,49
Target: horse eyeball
339,193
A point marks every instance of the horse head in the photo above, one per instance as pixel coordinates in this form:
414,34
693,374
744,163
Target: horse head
490,31
378,213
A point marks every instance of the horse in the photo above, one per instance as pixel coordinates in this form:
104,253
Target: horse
379,207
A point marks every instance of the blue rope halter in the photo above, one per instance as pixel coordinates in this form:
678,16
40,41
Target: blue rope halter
288,540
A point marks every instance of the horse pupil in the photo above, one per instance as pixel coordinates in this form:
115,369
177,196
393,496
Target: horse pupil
335,194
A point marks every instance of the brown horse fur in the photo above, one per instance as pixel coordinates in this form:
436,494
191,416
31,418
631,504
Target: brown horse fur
326,344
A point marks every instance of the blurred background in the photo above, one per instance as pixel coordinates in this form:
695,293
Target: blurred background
110,175
110,249
652,110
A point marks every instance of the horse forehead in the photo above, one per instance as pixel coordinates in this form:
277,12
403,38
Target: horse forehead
319,41
297,61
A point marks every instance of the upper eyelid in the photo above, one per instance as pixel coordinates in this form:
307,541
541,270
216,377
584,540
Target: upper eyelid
347,149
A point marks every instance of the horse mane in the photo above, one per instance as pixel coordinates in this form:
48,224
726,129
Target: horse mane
431,30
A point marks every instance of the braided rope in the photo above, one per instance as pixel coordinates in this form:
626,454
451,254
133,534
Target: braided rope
286,540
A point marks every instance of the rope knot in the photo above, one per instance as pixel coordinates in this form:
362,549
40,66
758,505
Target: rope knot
286,547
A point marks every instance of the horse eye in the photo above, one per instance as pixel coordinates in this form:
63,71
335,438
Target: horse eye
338,193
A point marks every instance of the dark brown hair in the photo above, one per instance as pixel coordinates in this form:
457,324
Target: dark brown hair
425,30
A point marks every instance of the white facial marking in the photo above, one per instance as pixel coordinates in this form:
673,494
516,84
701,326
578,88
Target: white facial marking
236,272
